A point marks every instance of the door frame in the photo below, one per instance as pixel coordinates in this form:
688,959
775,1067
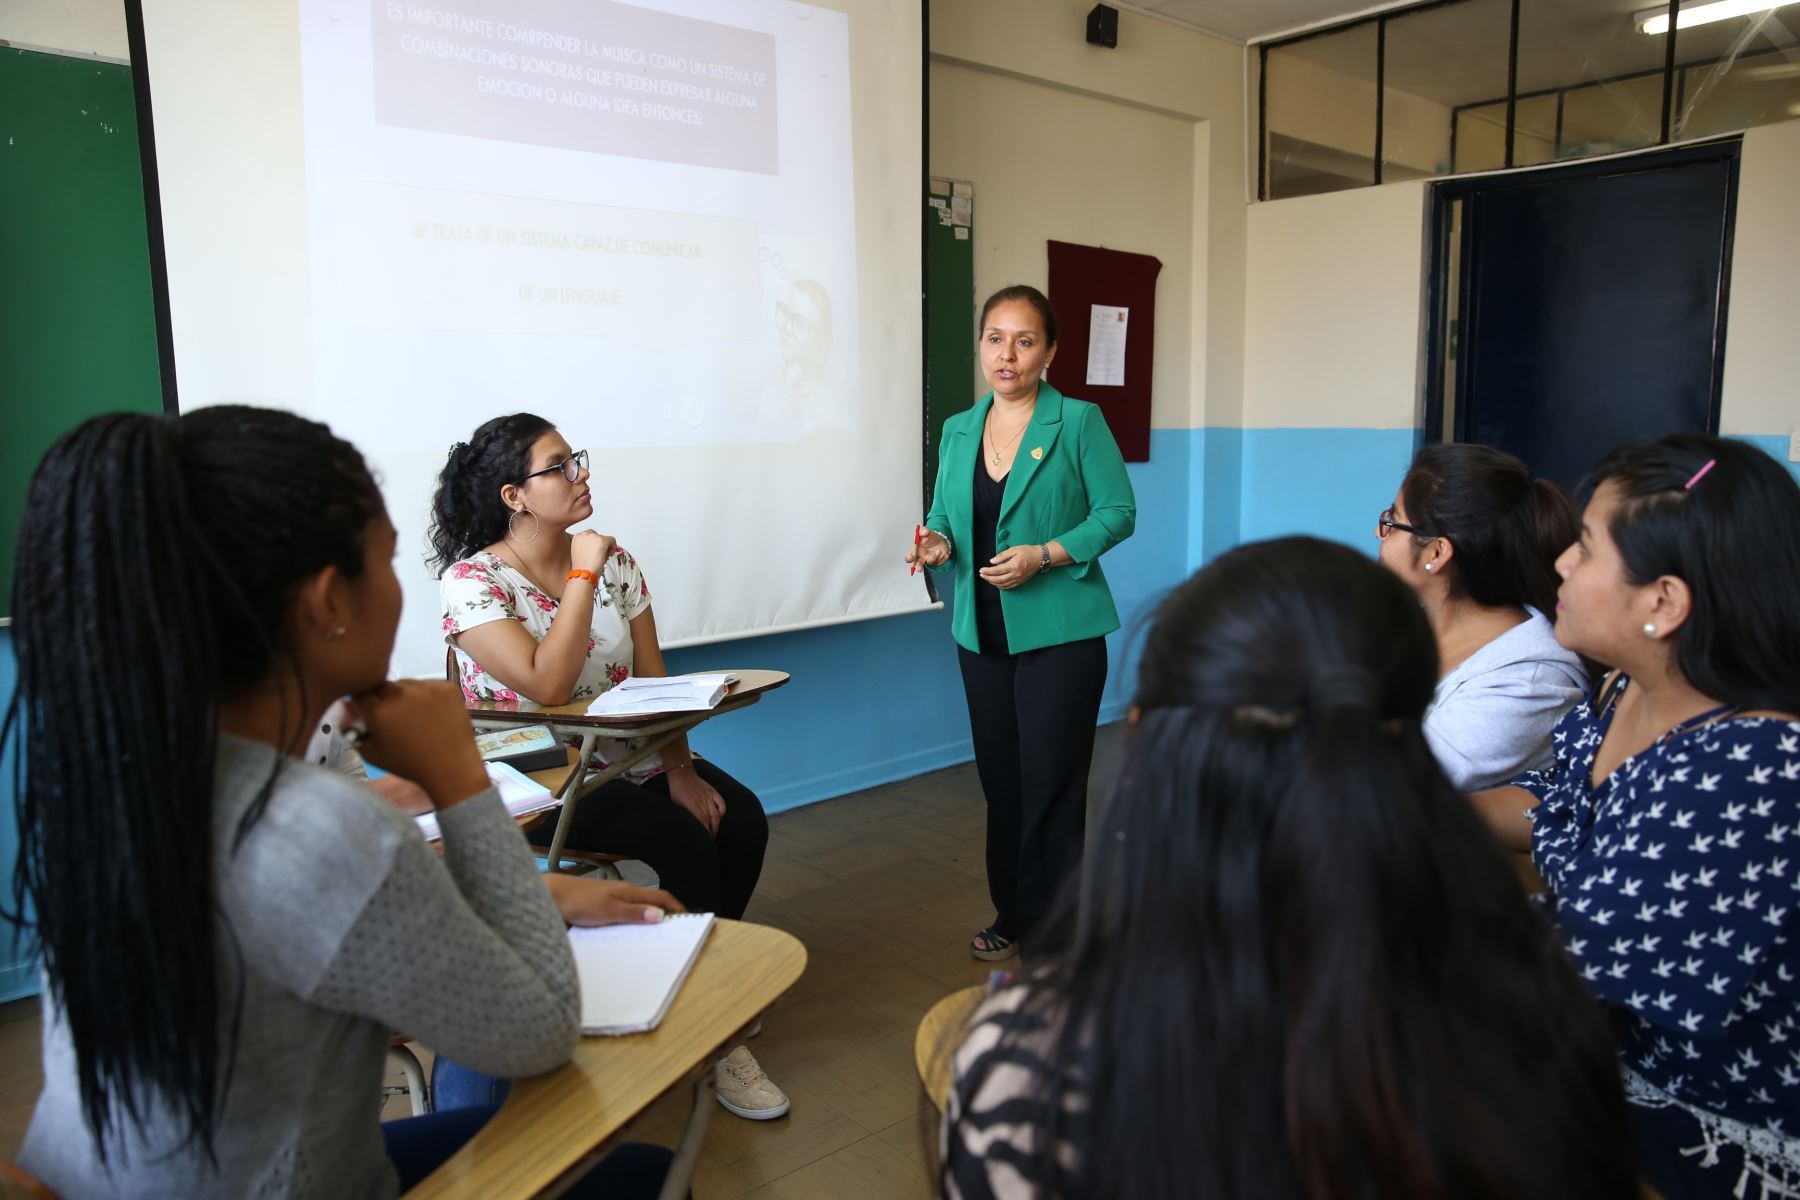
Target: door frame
1728,150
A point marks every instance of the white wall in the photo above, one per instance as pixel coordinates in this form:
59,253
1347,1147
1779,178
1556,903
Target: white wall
1331,313
1762,352
1134,192
1166,69
73,26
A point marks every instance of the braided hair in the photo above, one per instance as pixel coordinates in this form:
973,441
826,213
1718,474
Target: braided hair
158,559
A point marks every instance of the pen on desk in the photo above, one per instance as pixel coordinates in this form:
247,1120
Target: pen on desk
918,533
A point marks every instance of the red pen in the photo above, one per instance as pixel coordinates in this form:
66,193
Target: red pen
918,532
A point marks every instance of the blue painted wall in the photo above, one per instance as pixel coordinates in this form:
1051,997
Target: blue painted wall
18,971
876,701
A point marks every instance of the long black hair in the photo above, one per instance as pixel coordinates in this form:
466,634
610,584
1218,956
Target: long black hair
1508,526
157,562
1301,966
1734,538
466,512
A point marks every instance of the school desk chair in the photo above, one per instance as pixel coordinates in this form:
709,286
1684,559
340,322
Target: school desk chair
940,1033
16,1183
574,862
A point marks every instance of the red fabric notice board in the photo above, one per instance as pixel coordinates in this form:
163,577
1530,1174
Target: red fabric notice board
1081,277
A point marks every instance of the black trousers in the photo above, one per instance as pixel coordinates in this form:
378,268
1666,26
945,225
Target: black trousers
1033,716
714,873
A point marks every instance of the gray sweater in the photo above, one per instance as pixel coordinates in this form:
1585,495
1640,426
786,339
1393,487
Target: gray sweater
1490,719
351,929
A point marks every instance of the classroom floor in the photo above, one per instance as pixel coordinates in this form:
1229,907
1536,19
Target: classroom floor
885,888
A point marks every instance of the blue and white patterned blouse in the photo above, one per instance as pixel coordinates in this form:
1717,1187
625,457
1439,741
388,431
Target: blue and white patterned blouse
1677,884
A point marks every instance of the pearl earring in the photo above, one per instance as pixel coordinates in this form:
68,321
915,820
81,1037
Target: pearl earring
1649,630
1428,566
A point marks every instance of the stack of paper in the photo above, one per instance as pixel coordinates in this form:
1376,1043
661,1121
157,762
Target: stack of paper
630,973
521,796
638,697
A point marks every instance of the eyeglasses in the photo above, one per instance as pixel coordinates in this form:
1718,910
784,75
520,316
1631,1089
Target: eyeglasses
1385,524
570,467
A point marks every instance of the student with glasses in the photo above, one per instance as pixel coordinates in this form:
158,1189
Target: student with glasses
1476,535
536,611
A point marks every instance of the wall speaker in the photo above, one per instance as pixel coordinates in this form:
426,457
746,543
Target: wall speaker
1103,27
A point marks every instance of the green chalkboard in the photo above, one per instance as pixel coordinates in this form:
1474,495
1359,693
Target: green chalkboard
949,313
77,324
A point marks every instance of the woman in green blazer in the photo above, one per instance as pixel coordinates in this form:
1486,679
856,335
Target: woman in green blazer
1031,491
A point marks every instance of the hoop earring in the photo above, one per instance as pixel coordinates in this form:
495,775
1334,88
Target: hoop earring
512,535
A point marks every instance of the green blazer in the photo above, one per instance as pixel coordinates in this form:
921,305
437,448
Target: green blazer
1067,485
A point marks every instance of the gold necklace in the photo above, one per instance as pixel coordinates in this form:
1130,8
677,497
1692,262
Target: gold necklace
999,450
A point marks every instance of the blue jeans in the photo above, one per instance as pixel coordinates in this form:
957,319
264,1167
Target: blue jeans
456,1086
417,1146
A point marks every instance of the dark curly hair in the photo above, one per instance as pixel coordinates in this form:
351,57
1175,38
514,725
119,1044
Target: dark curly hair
466,513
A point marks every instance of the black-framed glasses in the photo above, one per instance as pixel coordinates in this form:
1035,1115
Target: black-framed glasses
1385,524
570,467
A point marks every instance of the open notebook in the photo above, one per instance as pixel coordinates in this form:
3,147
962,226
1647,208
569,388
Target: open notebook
630,973
642,695
521,795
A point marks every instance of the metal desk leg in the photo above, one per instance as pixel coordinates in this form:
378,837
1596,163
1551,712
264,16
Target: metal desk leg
687,1153
578,784
417,1090
571,792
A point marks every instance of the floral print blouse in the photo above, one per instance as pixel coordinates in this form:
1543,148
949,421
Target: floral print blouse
485,587
1676,886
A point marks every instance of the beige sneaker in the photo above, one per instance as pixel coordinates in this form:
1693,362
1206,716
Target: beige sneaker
744,1088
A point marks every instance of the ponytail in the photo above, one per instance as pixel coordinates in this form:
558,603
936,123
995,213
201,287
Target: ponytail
1285,897
466,512
1507,525
155,565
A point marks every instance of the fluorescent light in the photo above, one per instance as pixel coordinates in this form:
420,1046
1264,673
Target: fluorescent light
1656,20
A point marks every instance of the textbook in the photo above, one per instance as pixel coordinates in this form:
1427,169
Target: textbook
630,973
520,795
638,696
524,747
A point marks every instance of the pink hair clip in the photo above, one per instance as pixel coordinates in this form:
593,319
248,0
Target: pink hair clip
1700,474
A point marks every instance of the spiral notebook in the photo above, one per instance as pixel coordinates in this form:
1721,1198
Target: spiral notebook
630,973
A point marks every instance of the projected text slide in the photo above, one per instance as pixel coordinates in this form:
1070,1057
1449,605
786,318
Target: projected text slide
598,76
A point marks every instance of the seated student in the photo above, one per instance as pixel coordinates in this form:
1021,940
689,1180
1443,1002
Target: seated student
533,610
1668,824
1481,539
221,989
1301,968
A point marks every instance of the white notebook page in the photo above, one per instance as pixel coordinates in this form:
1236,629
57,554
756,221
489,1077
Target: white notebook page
630,973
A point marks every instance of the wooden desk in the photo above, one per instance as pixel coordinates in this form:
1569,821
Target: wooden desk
656,729
559,1123
940,1033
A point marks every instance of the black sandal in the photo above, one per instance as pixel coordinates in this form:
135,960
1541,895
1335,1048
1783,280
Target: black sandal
990,946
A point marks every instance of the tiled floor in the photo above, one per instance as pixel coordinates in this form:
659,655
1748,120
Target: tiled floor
885,888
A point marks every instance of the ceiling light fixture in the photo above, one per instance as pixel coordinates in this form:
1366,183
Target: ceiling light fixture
1656,20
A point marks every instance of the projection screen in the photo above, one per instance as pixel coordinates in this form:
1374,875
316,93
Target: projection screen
686,231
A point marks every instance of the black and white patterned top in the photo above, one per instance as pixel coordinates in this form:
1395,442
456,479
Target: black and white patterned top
1676,882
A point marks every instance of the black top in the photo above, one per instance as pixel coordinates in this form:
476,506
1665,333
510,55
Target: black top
990,621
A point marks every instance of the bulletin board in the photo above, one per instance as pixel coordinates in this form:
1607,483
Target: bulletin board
77,323
950,379
1105,303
